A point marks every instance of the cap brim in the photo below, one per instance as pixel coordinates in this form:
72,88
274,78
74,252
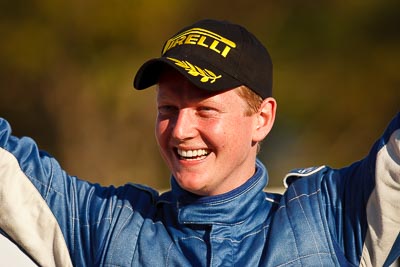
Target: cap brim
149,73
203,77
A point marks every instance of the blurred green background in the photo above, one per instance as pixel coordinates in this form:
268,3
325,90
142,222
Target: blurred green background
66,71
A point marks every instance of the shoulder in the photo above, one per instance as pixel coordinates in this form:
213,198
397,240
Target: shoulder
300,173
151,193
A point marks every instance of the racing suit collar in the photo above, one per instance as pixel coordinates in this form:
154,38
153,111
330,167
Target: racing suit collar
232,207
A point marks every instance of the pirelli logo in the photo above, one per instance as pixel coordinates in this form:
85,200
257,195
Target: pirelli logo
201,37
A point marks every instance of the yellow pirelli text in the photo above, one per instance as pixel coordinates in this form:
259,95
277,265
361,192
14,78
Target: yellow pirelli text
201,37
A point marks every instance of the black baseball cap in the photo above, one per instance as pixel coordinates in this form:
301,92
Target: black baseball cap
214,55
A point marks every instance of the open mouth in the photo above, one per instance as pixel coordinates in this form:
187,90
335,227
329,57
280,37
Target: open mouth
196,154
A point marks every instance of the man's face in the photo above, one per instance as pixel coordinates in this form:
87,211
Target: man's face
204,137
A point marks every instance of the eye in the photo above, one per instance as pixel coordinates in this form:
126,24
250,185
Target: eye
166,109
204,108
207,111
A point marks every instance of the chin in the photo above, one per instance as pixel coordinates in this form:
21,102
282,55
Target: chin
192,186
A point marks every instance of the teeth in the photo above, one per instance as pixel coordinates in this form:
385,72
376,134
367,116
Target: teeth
192,153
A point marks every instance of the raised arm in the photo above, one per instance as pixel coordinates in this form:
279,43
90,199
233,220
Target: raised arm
24,214
383,207
54,216
359,203
369,220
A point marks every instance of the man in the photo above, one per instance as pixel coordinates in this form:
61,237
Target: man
215,105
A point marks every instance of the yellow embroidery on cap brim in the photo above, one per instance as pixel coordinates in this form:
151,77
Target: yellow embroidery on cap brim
206,75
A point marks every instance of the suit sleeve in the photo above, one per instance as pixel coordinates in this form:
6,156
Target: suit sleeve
383,205
363,202
57,218
24,213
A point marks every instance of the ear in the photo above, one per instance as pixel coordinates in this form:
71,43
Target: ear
265,118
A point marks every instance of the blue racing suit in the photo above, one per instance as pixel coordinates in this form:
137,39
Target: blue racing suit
326,217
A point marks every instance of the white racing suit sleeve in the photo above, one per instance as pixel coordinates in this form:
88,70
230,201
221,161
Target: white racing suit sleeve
24,214
383,208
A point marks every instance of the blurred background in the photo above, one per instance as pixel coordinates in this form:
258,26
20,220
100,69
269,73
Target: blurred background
66,71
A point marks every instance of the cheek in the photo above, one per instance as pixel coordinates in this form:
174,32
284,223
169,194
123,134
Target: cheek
239,133
220,135
212,129
161,132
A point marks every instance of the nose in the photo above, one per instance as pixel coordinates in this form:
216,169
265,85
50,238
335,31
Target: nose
184,127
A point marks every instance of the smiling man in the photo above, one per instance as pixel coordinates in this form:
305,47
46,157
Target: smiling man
209,121
215,105
208,139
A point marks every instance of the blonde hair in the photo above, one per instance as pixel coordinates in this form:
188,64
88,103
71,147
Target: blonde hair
252,99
